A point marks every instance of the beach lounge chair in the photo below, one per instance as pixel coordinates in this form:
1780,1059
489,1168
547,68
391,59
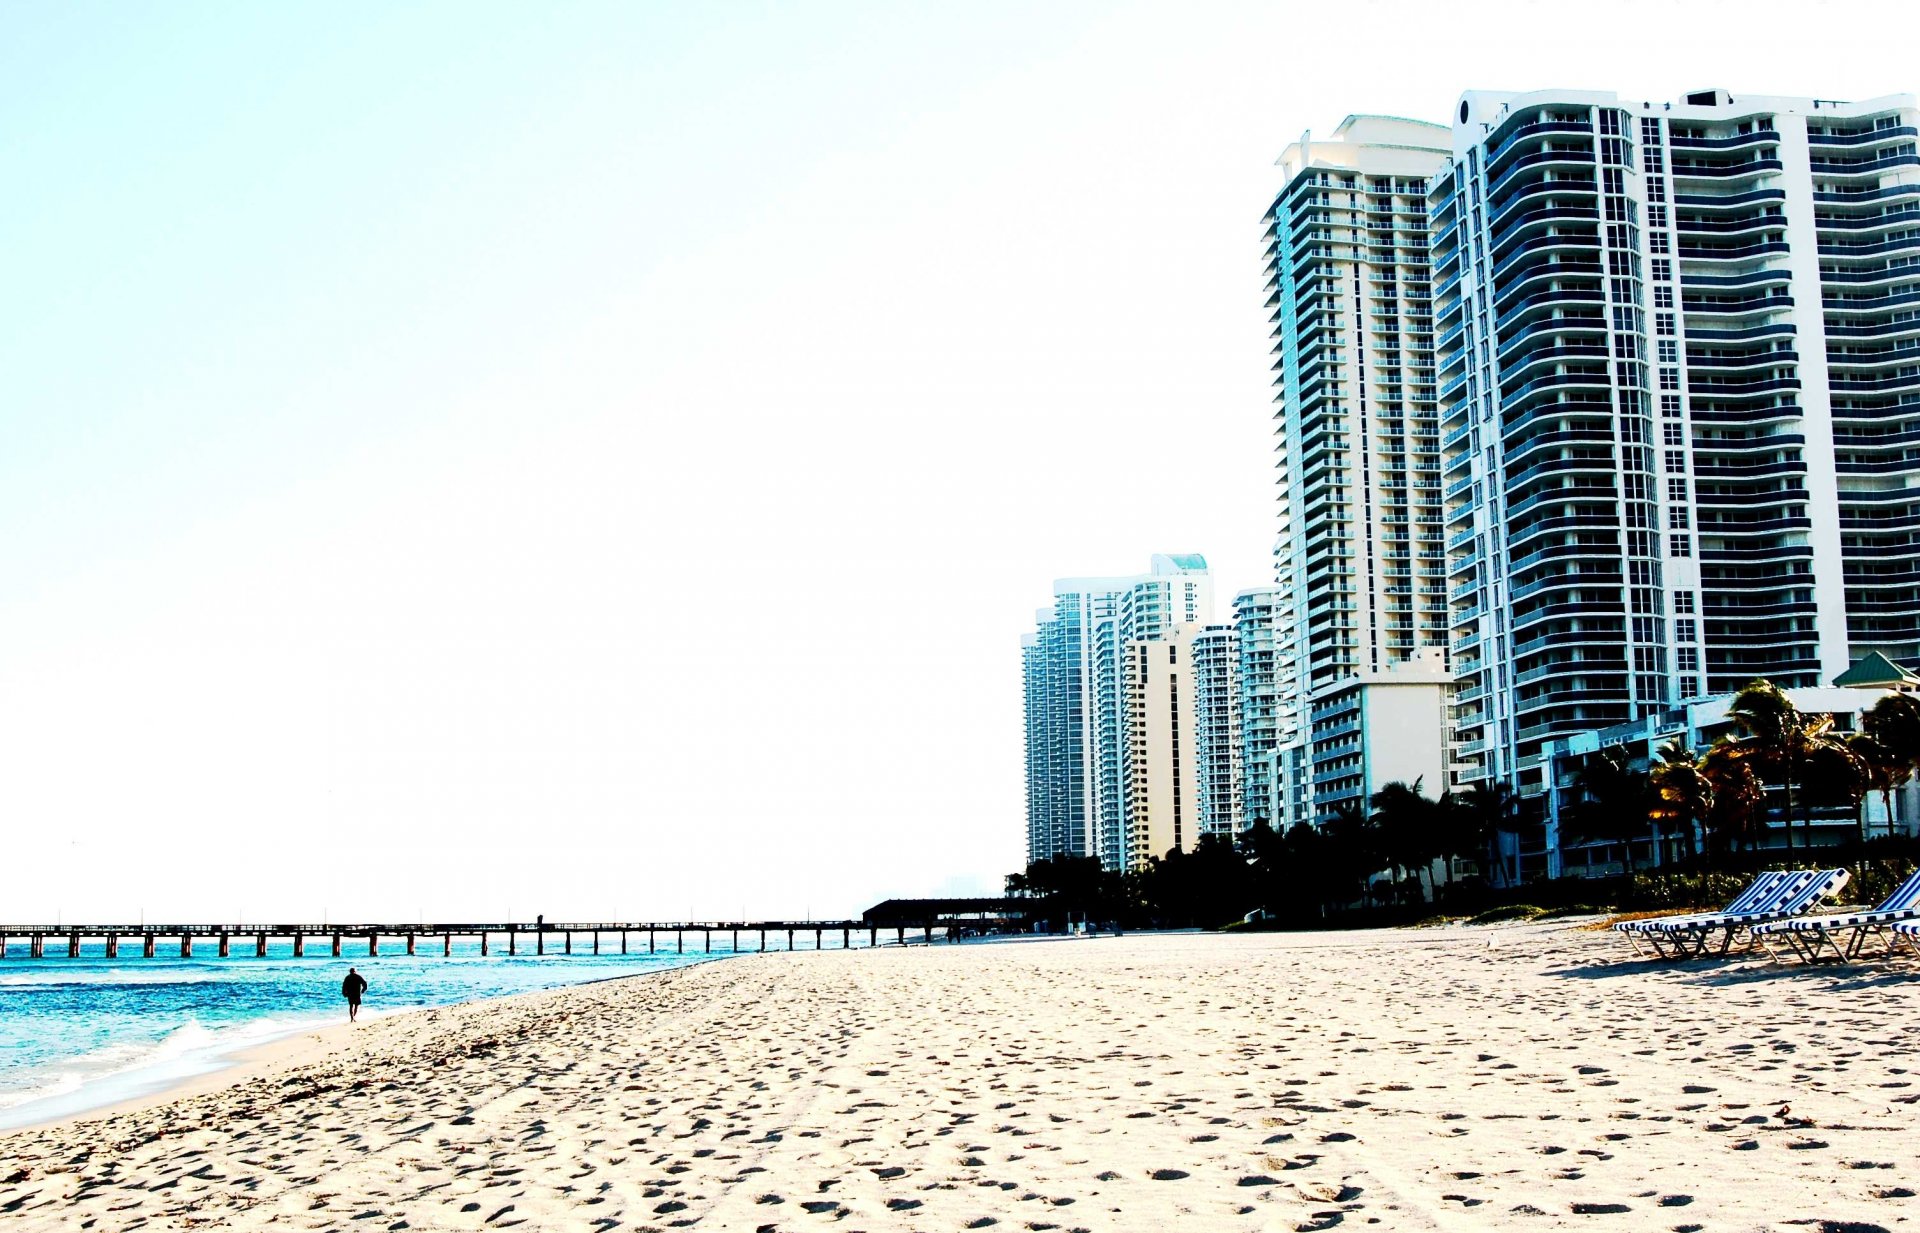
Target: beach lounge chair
1762,892
1842,934
1688,937
1905,931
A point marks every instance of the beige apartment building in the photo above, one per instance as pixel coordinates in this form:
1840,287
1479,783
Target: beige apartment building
1163,798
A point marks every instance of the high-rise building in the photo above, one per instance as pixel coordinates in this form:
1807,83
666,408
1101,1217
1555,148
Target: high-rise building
1216,737
1163,802
1268,722
1076,695
1362,562
1066,766
1679,397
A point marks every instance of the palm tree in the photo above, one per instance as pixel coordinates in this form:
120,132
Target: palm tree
1485,811
1780,738
1894,724
1612,801
1352,853
1734,814
1683,795
1408,825
1881,771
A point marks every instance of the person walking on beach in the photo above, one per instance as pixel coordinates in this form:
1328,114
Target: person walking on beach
351,988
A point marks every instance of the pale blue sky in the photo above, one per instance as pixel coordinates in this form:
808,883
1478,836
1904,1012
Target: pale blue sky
598,459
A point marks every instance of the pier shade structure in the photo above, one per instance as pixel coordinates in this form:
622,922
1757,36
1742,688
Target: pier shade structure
326,940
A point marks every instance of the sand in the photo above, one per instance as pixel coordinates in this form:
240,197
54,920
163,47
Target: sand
1525,1077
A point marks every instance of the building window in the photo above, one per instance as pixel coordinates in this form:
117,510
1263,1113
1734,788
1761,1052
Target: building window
1680,546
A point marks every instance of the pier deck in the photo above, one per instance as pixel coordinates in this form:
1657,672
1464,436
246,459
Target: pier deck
617,936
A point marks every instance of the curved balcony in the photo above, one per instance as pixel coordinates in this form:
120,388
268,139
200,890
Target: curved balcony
1705,169
1732,306
1734,142
1560,352
1728,201
1865,137
1847,167
1717,361
1569,251
1572,277
1543,192
1715,252
1537,162
1503,142
1544,302
1532,221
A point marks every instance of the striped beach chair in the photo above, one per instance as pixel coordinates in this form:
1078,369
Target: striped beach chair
1841,935
1695,937
1905,931
1645,935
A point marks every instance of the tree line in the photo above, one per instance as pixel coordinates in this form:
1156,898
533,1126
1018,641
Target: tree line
1401,847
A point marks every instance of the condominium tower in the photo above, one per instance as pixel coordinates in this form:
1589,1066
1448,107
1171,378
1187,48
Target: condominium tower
1269,718
1678,363
1361,565
1217,731
1077,751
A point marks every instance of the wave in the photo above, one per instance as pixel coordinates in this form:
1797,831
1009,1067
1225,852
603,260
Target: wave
117,1072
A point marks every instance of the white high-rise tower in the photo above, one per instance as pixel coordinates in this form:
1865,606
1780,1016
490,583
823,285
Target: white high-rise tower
1678,348
1361,566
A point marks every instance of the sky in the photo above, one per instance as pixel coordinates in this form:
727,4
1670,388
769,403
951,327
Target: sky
597,460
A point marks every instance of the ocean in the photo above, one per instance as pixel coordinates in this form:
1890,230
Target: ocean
79,1034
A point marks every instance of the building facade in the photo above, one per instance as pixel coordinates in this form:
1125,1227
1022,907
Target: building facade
1362,565
1377,728
1075,696
1678,391
1163,797
1269,715
1217,749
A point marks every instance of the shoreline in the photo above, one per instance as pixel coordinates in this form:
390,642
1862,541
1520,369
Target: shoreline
298,1044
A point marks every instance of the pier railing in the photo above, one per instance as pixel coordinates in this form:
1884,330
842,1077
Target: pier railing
334,938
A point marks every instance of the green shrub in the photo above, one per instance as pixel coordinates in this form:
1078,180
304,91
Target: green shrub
1515,911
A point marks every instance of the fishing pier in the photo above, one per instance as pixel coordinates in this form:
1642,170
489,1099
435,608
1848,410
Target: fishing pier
902,918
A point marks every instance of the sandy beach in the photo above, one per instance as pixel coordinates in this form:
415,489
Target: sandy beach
1512,1076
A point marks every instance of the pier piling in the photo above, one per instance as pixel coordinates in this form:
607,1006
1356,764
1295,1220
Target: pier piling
113,946
146,946
73,946
260,946
226,946
299,946
336,946
186,946
409,944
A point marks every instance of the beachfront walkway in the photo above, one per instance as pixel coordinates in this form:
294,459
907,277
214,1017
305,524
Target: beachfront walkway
1399,1080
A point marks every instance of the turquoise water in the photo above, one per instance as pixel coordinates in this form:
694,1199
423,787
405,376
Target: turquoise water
77,1034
